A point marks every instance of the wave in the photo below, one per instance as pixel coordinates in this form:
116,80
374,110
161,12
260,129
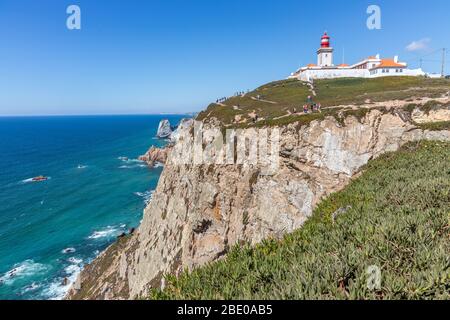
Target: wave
108,232
58,289
131,163
128,160
133,166
22,270
75,260
32,287
158,165
147,196
80,166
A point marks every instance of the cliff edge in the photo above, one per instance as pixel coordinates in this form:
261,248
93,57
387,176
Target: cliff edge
199,211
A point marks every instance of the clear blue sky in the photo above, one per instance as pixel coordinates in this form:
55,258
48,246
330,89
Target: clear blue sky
136,56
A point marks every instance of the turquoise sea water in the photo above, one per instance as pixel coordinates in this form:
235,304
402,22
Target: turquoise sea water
50,229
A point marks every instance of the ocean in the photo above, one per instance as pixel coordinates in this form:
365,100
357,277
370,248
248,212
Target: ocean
96,190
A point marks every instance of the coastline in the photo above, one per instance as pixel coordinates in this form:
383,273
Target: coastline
196,214
155,157
98,190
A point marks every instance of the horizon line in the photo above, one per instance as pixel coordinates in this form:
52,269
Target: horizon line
96,114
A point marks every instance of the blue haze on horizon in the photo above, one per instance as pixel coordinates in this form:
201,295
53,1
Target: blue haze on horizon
136,57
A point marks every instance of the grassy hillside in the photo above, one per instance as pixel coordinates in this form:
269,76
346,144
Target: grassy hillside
279,98
396,216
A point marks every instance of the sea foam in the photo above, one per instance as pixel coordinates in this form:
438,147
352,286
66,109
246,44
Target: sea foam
21,270
108,232
147,196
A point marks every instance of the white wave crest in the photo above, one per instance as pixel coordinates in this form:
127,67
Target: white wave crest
158,165
147,195
21,270
108,232
59,288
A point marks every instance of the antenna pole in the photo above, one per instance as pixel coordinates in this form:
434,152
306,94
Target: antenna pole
443,63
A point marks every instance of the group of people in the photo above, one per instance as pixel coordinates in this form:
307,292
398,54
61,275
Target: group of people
220,100
239,93
236,94
311,106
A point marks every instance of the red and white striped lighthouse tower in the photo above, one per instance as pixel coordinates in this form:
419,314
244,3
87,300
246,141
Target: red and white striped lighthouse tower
325,53
325,43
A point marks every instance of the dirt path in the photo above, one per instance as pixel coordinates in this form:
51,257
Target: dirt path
311,88
392,103
262,100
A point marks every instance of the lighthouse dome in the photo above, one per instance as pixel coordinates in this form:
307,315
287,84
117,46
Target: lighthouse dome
325,42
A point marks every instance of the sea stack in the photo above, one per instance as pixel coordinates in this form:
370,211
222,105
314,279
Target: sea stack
164,129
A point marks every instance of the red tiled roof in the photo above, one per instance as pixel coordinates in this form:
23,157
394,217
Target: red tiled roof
389,63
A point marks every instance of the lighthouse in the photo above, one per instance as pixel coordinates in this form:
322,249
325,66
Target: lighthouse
325,52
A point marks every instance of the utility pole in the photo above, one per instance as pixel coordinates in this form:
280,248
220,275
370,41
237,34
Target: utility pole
421,60
443,63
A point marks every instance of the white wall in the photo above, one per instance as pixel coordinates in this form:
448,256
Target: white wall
333,73
354,73
393,73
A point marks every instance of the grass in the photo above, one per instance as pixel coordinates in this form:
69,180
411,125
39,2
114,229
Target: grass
396,217
358,90
435,126
280,97
286,94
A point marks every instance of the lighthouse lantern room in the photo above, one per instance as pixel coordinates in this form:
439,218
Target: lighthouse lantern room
325,52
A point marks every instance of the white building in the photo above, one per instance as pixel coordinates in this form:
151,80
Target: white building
370,67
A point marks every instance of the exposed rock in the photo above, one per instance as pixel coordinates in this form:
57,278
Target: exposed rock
184,123
437,115
164,129
339,212
155,155
199,211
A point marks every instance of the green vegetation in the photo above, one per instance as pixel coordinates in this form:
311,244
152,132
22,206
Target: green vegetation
396,216
435,126
100,267
278,100
359,90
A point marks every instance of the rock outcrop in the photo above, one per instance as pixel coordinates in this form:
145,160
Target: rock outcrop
184,123
199,211
436,115
164,129
155,155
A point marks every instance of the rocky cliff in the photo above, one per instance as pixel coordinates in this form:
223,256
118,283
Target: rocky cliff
199,211
155,155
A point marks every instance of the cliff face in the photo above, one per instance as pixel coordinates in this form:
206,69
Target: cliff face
199,211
